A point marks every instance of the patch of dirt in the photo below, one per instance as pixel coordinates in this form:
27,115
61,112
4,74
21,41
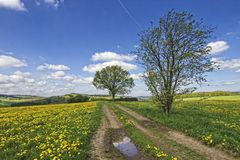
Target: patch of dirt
178,137
109,131
117,127
113,120
98,145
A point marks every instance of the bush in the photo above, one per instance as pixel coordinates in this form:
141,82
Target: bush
78,98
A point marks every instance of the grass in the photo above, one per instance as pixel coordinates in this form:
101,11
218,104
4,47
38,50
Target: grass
168,150
215,123
48,132
219,98
145,145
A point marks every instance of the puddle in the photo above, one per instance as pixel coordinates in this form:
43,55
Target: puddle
126,147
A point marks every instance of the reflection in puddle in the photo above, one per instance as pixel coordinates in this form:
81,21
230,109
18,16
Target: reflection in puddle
126,147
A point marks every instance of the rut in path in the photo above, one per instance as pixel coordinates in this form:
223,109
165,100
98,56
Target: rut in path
109,120
113,120
178,137
98,145
98,141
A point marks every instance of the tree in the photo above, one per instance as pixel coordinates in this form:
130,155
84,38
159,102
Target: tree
174,55
114,79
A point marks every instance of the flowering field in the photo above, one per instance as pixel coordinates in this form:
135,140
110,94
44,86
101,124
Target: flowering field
48,132
215,123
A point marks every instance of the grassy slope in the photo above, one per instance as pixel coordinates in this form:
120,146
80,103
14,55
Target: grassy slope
215,123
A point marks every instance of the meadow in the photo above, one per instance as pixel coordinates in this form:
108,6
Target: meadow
65,131
215,121
48,132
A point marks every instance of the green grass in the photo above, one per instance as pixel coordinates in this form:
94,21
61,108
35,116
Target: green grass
215,123
219,98
169,149
140,140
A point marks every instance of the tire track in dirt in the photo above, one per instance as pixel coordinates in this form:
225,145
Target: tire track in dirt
116,124
113,120
109,121
178,137
98,141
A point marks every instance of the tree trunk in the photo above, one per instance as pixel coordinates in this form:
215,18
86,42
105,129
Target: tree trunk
169,102
164,109
113,97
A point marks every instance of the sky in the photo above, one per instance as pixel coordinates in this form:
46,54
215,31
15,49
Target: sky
54,47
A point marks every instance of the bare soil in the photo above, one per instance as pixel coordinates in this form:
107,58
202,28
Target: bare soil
109,131
98,144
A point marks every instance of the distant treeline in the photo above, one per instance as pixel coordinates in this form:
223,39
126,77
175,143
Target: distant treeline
54,100
207,94
18,96
70,98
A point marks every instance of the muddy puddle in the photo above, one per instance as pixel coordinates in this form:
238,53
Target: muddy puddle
126,147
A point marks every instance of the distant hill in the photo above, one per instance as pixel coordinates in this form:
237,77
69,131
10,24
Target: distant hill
28,100
18,96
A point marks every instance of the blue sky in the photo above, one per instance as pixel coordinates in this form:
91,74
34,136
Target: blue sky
52,47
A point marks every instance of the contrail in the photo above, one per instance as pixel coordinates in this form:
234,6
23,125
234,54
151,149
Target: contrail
129,14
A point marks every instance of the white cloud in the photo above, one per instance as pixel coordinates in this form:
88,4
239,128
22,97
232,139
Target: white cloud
53,67
111,56
9,61
96,67
229,64
68,78
83,80
54,3
230,83
41,83
13,4
218,47
221,83
58,74
137,76
16,77
24,74
231,33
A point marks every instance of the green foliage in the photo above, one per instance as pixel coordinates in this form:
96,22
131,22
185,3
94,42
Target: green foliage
115,79
215,123
127,99
69,98
78,98
174,54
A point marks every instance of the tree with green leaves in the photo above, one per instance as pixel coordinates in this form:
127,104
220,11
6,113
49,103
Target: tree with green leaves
115,79
174,55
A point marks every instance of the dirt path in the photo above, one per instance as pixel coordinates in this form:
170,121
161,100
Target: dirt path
113,120
178,137
98,141
109,121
